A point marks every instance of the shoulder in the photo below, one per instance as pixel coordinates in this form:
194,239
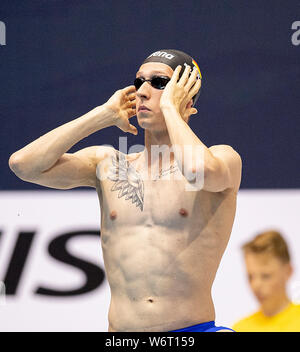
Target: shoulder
225,150
295,308
103,151
295,314
245,323
230,164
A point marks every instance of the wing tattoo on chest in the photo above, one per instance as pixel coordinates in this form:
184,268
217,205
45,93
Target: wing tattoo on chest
127,181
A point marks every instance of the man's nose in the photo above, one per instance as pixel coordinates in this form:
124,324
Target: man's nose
144,91
256,285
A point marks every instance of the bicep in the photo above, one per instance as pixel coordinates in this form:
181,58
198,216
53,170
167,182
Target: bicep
70,171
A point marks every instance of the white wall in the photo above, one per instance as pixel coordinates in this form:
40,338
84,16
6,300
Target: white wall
52,213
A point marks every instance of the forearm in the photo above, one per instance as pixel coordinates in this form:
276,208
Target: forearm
44,152
190,153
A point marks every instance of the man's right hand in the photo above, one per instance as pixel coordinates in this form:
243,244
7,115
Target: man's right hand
123,106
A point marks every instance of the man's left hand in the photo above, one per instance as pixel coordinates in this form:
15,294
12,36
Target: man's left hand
180,93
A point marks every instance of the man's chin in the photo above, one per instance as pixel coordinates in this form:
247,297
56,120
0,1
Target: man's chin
146,125
144,120
150,122
144,115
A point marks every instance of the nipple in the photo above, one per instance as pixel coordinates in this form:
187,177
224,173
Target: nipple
113,215
183,212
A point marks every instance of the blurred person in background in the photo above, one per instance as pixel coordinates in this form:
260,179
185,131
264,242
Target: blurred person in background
269,268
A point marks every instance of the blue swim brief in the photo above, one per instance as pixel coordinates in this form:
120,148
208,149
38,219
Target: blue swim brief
204,327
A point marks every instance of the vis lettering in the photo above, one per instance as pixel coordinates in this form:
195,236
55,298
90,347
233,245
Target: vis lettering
94,275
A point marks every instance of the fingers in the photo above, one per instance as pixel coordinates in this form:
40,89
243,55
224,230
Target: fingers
129,89
130,108
184,76
132,130
130,103
175,75
188,78
194,90
131,112
192,79
131,96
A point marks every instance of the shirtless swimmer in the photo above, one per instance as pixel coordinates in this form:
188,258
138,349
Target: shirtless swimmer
166,217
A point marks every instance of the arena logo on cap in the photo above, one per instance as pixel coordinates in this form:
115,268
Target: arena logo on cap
162,54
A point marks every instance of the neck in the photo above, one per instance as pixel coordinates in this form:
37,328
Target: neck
275,306
154,142
157,155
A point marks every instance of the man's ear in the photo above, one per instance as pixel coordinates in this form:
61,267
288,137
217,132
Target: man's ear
190,110
189,104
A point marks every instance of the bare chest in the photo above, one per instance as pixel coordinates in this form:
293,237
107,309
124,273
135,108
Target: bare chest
132,198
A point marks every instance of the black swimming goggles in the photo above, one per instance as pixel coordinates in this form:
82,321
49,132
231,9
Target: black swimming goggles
158,82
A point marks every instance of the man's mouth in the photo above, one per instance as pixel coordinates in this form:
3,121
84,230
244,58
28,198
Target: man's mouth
260,297
143,108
